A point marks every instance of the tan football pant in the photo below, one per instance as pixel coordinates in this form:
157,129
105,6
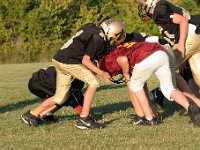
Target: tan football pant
192,53
66,73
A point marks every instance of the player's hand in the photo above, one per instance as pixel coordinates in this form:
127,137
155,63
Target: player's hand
106,76
127,77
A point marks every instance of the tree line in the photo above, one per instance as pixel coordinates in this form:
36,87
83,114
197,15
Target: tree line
33,30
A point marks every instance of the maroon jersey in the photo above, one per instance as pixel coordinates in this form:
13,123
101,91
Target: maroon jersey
135,52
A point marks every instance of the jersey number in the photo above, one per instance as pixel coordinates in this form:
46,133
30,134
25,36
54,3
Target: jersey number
70,41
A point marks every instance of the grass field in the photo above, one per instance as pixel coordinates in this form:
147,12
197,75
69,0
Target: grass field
111,107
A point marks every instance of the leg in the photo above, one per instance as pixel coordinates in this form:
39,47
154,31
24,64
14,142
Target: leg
82,73
61,94
154,110
181,84
194,88
52,109
180,99
144,103
31,117
136,105
139,118
47,104
165,77
87,102
141,73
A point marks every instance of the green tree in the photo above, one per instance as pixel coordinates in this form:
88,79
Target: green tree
32,30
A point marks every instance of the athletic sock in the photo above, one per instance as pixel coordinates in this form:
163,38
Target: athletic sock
78,109
149,118
33,114
49,114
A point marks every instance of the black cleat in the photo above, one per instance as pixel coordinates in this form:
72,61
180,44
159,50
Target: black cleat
183,112
87,123
194,114
92,118
151,122
48,119
30,119
138,121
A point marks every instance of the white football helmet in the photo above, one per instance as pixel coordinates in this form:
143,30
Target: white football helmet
114,30
146,7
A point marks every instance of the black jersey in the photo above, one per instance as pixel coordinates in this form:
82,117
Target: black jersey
89,40
135,37
195,19
46,77
163,17
43,85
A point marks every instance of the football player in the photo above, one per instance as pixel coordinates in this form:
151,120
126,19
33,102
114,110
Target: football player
138,62
179,28
74,60
43,85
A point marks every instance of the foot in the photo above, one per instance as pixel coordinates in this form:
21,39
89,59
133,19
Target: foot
183,112
48,119
30,119
92,118
151,122
194,114
87,123
137,120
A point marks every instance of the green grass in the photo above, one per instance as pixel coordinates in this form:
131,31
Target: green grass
111,107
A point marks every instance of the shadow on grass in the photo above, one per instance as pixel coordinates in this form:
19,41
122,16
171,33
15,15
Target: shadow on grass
111,86
22,104
100,111
111,108
19,105
170,109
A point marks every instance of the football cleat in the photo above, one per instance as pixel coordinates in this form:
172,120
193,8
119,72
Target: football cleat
30,119
151,122
138,121
194,114
87,123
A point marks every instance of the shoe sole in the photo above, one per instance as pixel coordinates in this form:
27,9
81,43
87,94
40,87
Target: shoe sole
86,128
81,127
24,120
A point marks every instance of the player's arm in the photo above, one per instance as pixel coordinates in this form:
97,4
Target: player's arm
88,63
124,64
183,22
